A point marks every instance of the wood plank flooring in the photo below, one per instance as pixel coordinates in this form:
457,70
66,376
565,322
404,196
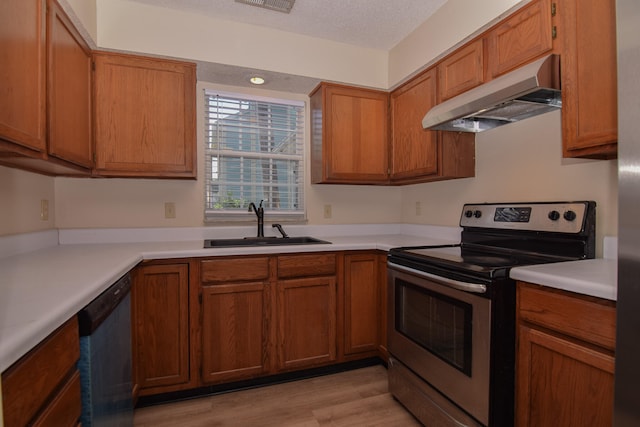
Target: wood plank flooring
352,398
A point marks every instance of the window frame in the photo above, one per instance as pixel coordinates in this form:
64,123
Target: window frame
241,215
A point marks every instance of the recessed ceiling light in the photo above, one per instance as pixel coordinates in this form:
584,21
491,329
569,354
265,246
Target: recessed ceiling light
256,80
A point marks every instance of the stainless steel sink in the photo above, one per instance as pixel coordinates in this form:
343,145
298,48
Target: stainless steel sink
262,241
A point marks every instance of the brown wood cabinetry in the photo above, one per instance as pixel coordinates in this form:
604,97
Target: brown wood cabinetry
144,116
45,109
461,71
420,155
565,358
306,311
361,304
43,387
587,46
520,38
349,135
236,313
160,327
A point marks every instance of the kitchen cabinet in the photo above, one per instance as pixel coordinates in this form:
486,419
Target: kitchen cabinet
160,327
565,358
349,135
306,311
45,110
43,387
462,70
587,46
236,313
420,155
520,38
145,123
361,304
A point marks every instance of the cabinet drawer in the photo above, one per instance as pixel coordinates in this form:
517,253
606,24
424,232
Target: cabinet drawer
65,408
317,264
587,318
31,382
234,269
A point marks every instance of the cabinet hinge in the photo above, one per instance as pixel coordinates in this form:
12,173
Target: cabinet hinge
93,65
554,32
553,9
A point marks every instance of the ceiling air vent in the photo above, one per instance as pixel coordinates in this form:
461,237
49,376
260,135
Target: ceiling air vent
277,5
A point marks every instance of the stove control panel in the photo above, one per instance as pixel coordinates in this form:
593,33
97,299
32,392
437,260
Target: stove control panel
562,217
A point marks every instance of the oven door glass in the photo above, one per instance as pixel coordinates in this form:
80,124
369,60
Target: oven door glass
438,323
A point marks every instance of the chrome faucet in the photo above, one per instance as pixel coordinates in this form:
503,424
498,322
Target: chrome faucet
260,214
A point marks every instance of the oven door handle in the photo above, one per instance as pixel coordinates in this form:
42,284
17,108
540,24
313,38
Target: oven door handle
476,288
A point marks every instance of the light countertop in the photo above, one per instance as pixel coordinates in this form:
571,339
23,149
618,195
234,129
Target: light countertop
42,288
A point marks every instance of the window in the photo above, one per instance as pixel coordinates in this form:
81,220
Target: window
254,150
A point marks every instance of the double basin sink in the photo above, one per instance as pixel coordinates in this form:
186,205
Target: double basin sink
262,241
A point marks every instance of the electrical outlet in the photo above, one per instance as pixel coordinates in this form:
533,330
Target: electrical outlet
169,210
327,211
44,210
418,209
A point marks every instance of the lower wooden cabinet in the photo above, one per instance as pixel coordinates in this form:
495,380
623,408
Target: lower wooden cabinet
565,358
236,312
361,304
206,321
160,327
43,387
306,319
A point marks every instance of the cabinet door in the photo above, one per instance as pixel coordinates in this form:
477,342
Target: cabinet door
69,93
562,383
22,73
589,80
160,319
235,335
306,318
361,306
461,71
522,37
144,116
414,150
349,135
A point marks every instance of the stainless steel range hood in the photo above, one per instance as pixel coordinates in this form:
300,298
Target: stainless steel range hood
525,92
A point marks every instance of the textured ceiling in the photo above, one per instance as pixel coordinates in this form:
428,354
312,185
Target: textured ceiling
377,24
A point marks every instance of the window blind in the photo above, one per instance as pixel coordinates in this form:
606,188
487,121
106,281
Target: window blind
254,150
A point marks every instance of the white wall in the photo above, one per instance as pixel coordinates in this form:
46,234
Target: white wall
139,27
520,162
20,196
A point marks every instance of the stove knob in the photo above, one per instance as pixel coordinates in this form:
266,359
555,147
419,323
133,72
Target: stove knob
569,215
554,215
468,214
477,214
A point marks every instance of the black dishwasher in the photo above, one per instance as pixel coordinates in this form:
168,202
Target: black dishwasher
105,358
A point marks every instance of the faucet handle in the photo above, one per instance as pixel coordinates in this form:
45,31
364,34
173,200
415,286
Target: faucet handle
281,230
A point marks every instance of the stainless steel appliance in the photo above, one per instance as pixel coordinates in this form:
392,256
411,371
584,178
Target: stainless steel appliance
105,358
451,324
627,376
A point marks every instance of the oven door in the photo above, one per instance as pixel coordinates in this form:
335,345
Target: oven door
441,330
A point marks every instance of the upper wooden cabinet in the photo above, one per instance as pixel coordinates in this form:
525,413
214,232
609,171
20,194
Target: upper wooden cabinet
145,120
413,149
522,37
349,135
587,45
419,155
45,83
69,91
461,71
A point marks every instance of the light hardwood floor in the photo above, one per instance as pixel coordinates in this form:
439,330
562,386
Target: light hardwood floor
353,398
